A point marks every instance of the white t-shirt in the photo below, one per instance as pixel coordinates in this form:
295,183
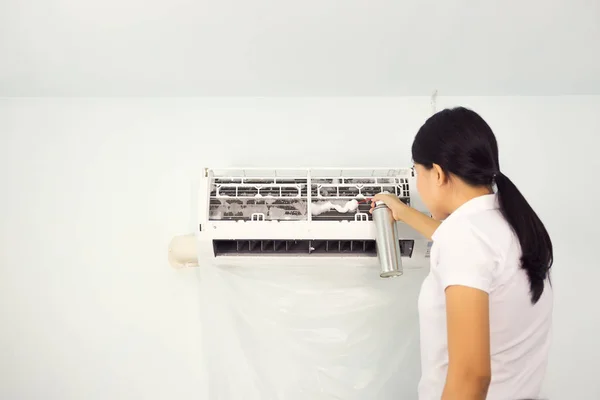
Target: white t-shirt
476,247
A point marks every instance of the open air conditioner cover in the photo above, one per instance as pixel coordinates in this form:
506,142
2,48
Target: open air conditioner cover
252,217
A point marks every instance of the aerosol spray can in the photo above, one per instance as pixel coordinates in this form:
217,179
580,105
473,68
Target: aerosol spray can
388,244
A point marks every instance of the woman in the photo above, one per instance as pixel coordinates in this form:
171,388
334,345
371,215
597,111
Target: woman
485,308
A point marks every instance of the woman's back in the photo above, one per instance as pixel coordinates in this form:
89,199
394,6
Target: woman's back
476,247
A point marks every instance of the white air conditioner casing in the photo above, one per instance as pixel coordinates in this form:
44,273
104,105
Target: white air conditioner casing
256,217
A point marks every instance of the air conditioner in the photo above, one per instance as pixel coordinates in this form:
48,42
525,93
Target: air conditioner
256,217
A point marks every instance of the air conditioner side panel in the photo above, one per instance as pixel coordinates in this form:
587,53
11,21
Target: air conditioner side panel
415,199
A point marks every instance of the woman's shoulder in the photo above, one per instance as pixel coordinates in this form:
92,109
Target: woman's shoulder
484,231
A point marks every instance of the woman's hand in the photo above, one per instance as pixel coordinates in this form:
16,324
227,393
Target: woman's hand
393,202
420,222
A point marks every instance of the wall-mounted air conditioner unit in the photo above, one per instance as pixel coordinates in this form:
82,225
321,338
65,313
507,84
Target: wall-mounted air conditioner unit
284,216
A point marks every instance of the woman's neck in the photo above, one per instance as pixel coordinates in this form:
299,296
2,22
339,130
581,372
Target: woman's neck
465,193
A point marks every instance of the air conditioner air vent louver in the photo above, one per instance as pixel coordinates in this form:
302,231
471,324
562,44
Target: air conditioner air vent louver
229,247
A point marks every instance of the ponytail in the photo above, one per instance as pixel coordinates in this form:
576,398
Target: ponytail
536,246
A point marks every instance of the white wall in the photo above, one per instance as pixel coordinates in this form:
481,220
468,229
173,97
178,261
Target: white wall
93,189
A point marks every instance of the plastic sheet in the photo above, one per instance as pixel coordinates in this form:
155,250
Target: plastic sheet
299,333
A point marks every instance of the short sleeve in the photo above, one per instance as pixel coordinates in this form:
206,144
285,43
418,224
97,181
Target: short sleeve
465,259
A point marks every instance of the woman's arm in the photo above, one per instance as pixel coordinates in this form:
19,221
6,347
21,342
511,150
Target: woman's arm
469,365
417,220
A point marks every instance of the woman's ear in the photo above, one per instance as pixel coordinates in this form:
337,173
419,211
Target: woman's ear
439,176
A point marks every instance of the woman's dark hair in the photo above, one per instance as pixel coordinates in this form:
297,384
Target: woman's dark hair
463,144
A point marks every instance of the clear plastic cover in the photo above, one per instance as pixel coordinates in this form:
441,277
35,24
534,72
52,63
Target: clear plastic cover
299,333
